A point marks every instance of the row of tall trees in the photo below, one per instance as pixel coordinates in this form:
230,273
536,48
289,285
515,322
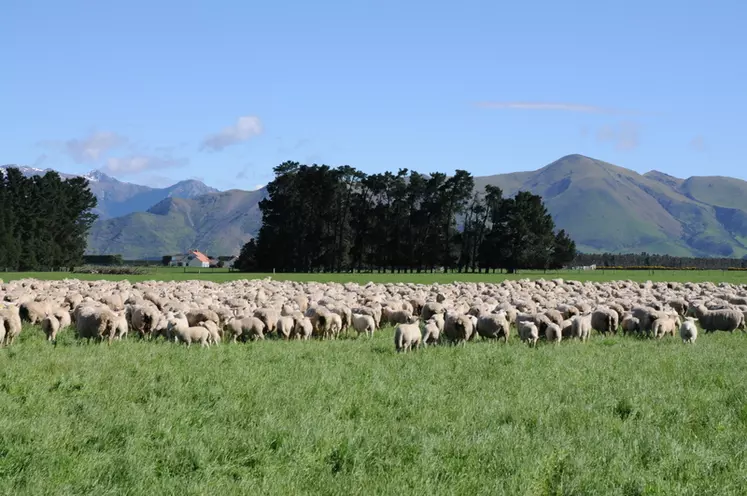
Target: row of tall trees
319,218
653,260
44,220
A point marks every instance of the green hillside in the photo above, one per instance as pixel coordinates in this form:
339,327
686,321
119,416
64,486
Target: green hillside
604,207
217,224
609,208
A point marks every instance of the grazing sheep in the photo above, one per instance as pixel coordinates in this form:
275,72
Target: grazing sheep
604,320
646,317
431,332
394,317
50,325
122,327
407,336
528,332
212,327
284,327
457,328
493,326
417,305
364,324
582,327
566,328
431,308
302,302
688,330
555,316
269,317
2,332
188,335
95,322
303,328
717,320
679,305
439,319
143,319
345,316
332,326
553,333
630,325
73,300
113,301
511,312
63,317
663,326
33,312
11,324
194,317
247,328
651,307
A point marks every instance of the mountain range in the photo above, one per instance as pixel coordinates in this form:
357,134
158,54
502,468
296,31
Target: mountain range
117,198
604,207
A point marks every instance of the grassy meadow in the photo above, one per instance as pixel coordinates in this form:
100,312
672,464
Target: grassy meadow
612,416
617,415
223,275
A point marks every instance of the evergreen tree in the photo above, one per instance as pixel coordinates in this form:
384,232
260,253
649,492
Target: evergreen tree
247,260
318,218
564,250
44,220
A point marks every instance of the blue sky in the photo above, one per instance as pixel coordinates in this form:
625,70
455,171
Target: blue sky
157,91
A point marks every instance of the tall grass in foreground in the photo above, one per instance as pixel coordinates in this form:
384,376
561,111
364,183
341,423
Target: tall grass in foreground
614,416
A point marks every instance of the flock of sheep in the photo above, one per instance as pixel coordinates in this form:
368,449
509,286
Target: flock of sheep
206,312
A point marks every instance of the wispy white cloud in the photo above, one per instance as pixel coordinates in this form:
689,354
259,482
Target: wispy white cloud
93,147
245,129
624,135
557,106
135,164
259,186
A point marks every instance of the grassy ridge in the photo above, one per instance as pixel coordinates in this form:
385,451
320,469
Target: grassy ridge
615,416
222,275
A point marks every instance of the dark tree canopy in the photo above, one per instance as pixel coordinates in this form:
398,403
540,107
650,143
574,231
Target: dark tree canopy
44,220
318,218
642,260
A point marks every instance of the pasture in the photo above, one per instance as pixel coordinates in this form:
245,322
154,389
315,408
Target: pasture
223,275
618,415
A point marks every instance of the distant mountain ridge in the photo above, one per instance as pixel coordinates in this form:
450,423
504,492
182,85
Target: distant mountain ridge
215,223
117,198
607,208
604,207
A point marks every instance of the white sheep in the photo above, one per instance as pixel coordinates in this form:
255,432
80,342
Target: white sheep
50,325
212,328
688,330
363,324
528,332
303,328
406,337
188,335
431,331
285,327
581,327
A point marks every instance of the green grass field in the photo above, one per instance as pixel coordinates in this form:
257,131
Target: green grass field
222,275
612,416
